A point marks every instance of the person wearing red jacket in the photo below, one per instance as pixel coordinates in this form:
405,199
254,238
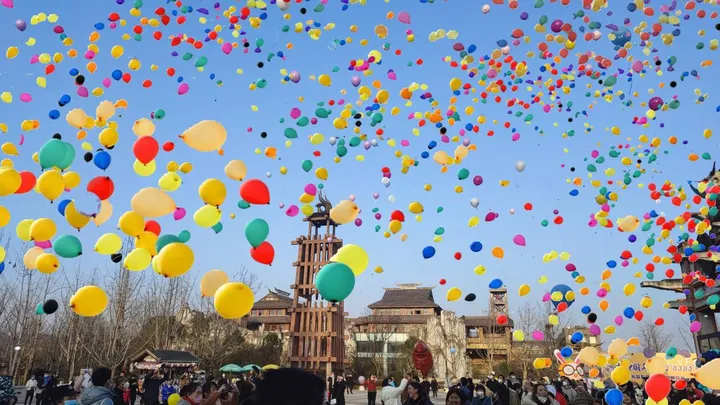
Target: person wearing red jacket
371,384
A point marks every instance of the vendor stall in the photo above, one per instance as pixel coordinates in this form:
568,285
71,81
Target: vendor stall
176,361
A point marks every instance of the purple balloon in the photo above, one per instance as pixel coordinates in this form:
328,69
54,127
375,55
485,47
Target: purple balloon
655,103
295,76
21,25
477,180
648,353
556,26
355,81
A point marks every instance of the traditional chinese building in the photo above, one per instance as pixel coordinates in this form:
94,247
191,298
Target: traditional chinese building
271,313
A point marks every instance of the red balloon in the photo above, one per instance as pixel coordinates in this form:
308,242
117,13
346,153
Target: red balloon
398,216
28,182
145,149
457,255
168,146
442,281
639,316
562,306
422,357
102,187
680,385
264,253
657,387
659,322
502,319
153,227
254,191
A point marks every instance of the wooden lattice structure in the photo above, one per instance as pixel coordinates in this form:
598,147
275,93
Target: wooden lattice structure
316,326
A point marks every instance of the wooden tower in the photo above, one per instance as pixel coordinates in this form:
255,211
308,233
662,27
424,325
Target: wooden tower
316,326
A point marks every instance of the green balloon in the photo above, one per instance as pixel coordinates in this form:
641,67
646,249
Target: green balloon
307,165
165,240
52,153
217,227
303,121
68,158
341,151
256,231
159,114
39,309
463,174
713,299
184,236
68,246
335,281
243,205
291,133
201,61
354,141
322,113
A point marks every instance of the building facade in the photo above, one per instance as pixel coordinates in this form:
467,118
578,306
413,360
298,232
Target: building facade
271,313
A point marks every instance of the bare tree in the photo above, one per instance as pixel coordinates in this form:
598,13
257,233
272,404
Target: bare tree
654,337
372,343
526,318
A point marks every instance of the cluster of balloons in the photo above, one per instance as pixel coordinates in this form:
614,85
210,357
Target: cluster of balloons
256,233
336,280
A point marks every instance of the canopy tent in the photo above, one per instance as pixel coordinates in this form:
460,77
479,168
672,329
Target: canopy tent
231,368
249,367
270,367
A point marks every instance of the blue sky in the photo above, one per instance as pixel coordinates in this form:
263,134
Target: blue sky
543,183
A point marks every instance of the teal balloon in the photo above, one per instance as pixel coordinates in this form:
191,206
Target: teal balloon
713,299
52,153
335,282
67,246
463,174
256,231
165,240
217,227
243,205
68,158
39,309
290,133
184,236
307,165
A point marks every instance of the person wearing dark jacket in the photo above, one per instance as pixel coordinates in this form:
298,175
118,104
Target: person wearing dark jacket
416,395
100,392
133,388
290,386
151,386
434,386
481,396
339,391
118,382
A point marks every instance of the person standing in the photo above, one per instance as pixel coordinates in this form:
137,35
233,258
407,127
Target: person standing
481,396
166,390
30,386
434,386
372,389
151,386
330,386
416,395
133,381
118,397
338,397
349,382
391,395
100,390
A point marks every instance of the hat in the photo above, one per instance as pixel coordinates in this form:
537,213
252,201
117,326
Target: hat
551,389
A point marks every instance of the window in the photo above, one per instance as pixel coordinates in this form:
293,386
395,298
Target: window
417,312
473,333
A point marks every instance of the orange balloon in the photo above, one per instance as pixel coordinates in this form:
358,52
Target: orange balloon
604,305
498,252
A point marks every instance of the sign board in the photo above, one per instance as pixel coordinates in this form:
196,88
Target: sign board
679,367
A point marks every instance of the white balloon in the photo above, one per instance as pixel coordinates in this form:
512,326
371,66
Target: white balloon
283,4
474,202
332,140
520,165
391,198
486,8
512,211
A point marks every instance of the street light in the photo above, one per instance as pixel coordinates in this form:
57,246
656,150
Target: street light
13,362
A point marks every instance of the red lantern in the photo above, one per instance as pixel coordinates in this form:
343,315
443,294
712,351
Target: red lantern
263,254
153,227
145,149
102,186
422,357
27,184
657,387
254,191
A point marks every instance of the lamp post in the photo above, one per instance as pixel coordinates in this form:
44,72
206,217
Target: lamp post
13,361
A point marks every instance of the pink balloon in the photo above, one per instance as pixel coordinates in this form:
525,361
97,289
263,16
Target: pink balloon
106,82
25,97
22,140
179,213
515,137
7,3
46,244
292,210
311,189
519,240
695,326
594,330
82,91
404,17
546,297
227,48
618,320
295,113
183,88
602,293
637,66
538,335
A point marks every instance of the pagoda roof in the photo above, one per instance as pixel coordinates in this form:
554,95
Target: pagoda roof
406,297
277,299
391,319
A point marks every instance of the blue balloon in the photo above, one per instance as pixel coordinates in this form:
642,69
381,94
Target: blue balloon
614,397
64,100
2,267
61,207
612,264
116,74
428,252
629,312
497,283
586,310
566,352
562,288
577,337
54,114
102,160
476,246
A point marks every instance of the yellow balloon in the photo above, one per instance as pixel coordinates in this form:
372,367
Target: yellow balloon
170,181
352,256
207,216
518,335
117,51
453,294
205,136
325,80
345,212
104,213
524,290
174,399
51,184
72,180
588,355
137,260
10,181
9,148
132,223
108,244
147,240
42,229
617,348
23,229
479,270
212,192
306,198
105,109
75,218
30,256
321,173
172,166
707,375
306,210
144,170
108,137
416,208
211,281
152,203
628,224
186,167
656,365
4,216
620,375
76,118
89,301
234,300
395,226
236,170
2,254
175,259
47,263
143,127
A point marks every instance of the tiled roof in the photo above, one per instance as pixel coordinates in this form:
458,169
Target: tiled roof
280,301
269,319
392,319
479,321
174,356
406,298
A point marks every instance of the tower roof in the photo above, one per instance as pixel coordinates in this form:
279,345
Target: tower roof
405,297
